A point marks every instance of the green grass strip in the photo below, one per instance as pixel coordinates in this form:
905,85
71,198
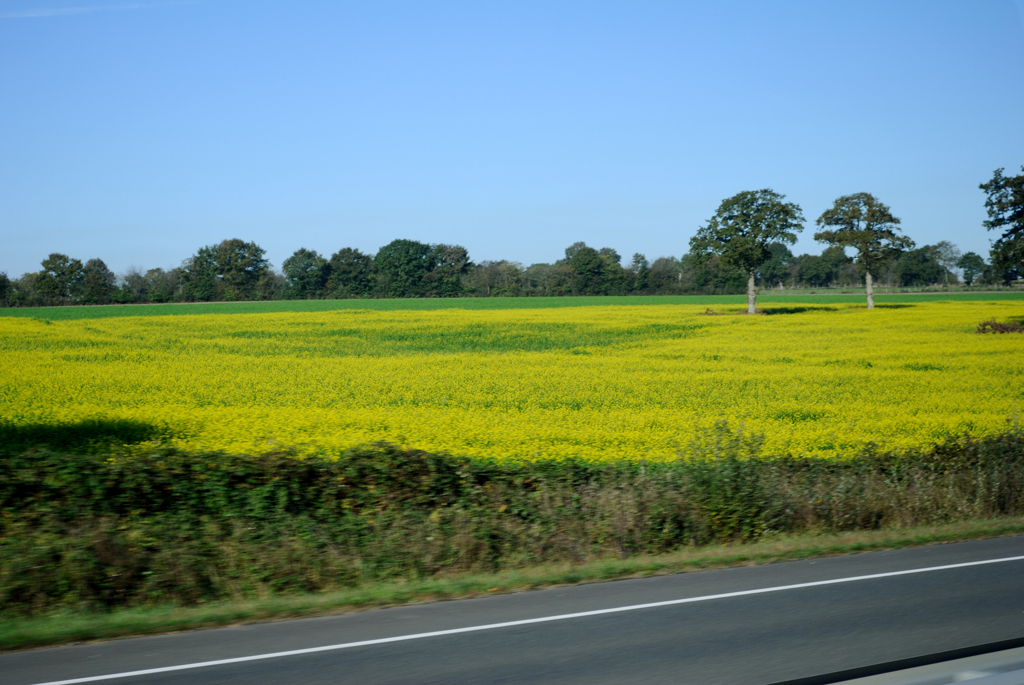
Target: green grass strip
63,628
277,306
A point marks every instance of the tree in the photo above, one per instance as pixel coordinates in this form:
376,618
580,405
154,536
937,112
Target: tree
613,275
401,266
407,268
664,275
200,280
162,286
862,222
98,283
447,264
305,274
704,274
240,265
742,230
587,269
230,270
972,266
638,271
1005,204
133,287
547,279
1005,207
6,289
819,271
270,286
948,256
777,268
61,278
25,292
497,279
919,267
350,273
1006,261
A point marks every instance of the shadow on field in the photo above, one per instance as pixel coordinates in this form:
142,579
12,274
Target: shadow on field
796,310
770,311
80,437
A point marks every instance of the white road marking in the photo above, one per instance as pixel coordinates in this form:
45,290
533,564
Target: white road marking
524,622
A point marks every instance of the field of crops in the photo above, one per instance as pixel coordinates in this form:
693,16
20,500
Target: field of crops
596,382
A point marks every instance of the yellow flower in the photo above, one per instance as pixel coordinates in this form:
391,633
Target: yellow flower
589,382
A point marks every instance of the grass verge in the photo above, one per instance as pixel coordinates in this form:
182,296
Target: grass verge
67,627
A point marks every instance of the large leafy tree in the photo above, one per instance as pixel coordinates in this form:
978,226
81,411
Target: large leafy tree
919,267
743,230
98,282
305,274
972,266
401,266
199,276
61,278
350,273
1005,207
586,267
230,270
447,266
240,265
861,222
613,276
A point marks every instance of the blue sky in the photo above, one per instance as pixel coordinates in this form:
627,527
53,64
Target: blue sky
138,132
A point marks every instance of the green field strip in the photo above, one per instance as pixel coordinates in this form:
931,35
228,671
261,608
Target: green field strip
483,303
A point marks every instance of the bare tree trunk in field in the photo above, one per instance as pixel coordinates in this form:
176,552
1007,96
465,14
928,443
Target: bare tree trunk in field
751,295
871,292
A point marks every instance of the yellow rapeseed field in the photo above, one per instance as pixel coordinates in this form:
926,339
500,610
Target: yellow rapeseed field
590,382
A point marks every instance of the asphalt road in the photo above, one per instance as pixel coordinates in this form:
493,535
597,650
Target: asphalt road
747,638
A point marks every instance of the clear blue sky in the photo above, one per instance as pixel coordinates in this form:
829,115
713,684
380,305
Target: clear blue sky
138,132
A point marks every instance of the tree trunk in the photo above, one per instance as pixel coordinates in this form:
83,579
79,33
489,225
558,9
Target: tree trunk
871,292
751,295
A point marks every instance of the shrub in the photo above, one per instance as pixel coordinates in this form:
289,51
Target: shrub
993,326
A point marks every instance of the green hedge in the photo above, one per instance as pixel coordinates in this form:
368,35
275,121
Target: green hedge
84,526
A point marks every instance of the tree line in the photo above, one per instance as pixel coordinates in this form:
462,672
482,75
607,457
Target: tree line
744,246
